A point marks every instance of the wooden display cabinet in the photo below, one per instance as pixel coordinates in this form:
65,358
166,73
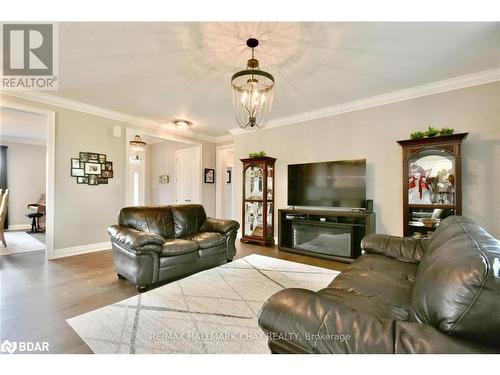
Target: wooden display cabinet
258,201
432,182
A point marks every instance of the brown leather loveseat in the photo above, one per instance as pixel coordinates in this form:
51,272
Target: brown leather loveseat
159,243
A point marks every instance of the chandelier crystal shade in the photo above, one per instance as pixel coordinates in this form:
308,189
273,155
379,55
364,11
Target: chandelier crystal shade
252,93
137,148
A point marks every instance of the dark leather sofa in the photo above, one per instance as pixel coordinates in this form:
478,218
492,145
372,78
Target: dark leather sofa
403,295
159,243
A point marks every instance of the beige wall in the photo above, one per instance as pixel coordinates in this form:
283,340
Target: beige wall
25,179
372,134
83,213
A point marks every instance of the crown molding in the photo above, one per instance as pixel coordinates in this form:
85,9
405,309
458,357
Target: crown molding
26,141
437,87
75,105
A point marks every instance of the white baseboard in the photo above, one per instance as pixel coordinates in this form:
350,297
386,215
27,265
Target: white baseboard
82,249
19,227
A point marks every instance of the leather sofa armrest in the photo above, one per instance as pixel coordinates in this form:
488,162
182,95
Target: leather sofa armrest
223,226
412,337
402,248
303,321
135,239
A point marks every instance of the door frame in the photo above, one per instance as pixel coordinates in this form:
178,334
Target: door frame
167,136
50,124
198,177
220,178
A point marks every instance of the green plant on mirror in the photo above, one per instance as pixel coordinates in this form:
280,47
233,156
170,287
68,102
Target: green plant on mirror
431,132
446,131
417,135
259,154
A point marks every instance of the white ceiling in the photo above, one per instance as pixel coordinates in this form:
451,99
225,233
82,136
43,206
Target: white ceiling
22,127
162,71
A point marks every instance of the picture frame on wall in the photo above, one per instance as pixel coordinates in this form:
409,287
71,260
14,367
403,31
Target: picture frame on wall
108,166
84,157
77,172
92,168
93,157
82,180
75,163
209,176
107,174
93,180
102,180
102,158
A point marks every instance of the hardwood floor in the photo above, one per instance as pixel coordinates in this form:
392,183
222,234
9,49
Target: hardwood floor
37,296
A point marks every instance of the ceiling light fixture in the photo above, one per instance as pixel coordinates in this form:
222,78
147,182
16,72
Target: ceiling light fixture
182,124
252,93
137,147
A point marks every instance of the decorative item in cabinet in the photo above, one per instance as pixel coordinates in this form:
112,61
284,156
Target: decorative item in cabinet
432,182
258,200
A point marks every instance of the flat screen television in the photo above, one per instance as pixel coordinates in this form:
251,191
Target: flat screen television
328,184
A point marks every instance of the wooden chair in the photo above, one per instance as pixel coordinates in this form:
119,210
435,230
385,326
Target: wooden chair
3,214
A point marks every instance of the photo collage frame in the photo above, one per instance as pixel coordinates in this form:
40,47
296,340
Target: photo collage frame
91,168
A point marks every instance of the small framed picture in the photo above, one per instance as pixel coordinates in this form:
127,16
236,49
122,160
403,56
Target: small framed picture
228,177
76,172
75,163
108,166
92,168
107,174
102,158
82,180
84,157
164,179
209,176
102,180
93,156
93,180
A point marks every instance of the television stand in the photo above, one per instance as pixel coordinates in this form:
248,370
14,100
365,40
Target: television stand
330,234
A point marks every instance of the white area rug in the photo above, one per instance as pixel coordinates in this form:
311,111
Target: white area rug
20,242
214,311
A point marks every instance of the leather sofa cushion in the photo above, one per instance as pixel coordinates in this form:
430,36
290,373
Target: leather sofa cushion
177,247
150,219
188,219
457,288
376,284
207,239
169,261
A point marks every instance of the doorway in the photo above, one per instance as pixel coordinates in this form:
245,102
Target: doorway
224,181
170,171
27,135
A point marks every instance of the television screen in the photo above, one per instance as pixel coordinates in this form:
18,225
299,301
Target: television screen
327,184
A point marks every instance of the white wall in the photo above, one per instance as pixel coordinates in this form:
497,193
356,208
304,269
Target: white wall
25,179
162,162
372,134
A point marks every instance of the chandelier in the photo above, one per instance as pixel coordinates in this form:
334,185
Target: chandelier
137,146
252,93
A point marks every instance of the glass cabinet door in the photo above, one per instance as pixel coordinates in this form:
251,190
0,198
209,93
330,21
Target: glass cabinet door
254,219
254,182
270,178
431,178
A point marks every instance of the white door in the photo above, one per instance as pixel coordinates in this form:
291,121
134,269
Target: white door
188,176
